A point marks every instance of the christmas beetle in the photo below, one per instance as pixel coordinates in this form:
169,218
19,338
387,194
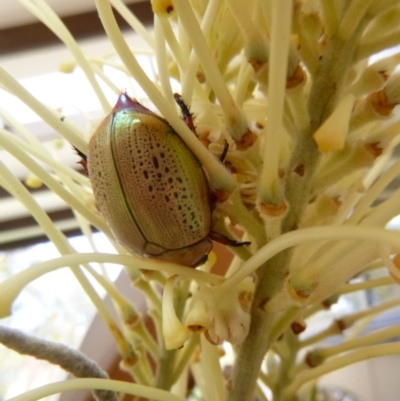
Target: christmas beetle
149,187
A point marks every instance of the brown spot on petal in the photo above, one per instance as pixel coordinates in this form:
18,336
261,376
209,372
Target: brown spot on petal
200,77
312,359
132,320
380,103
220,195
374,149
272,210
341,325
116,333
297,327
196,328
245,300
256,64
299,169
210,340
263,303
396,260
301,295
246,141
296,79
129,362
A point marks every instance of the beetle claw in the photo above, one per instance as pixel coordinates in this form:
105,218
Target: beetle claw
83,161
222,239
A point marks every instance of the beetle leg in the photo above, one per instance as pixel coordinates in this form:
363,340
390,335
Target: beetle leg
224,152
222,239
83,161
186,114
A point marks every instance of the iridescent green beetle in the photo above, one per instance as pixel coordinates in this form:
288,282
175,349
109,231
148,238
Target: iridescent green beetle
150,188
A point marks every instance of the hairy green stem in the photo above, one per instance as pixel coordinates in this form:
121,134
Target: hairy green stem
324,94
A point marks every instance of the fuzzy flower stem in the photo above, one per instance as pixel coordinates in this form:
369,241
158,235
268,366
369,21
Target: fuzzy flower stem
189,80
384,306
250,31
270,250
69,359
367,49
161,56
324,92
44,13
184,358
330,16
340,362
235,119
354,14
243,80
269,190
369,339
89,384
135,24
171,40
211,368
373,193
38,151
219,175
42,111
365,285
14,285
52,183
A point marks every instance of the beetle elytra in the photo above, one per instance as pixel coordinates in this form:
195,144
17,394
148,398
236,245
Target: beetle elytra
149,187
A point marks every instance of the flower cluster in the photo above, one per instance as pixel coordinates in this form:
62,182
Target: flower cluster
304,93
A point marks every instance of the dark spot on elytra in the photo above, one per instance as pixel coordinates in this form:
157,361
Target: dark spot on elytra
150,187
146,174
166,197
155,162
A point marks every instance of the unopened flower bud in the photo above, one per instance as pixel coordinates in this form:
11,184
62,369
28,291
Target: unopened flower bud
331,135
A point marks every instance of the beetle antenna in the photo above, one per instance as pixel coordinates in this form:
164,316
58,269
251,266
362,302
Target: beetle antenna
186,114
